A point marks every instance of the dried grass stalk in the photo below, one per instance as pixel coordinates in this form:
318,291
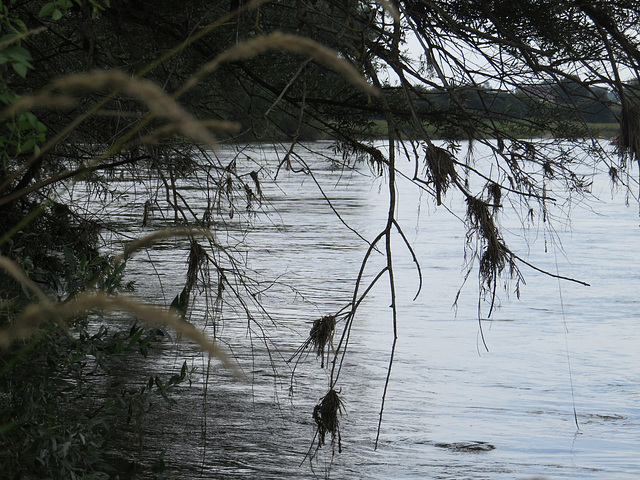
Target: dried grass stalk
21,36
44,99
167,130
154,97
153,237
32,317
289,43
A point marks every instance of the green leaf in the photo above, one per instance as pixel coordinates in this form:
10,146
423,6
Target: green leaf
57,14
28,145
46,10
70,257
8,38
12,424
32,119
7,97
23,122
136,336
17,53
158,465
20,69
180,302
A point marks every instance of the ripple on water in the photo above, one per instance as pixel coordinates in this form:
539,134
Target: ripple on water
447,394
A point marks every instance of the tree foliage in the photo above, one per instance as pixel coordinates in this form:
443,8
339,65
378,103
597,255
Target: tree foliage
94,87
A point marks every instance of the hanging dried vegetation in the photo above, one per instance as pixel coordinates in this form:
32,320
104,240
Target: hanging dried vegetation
325,414
441,169
495,255
321,335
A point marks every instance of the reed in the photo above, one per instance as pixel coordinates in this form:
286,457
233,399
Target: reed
150,239
34,316
160,103
288,43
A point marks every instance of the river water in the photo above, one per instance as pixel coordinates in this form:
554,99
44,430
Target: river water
561,348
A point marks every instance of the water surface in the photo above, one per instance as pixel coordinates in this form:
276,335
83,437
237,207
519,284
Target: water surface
561,348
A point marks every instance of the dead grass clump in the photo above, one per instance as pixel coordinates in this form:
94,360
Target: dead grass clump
325,414
494,194
321,335
441,169
495,256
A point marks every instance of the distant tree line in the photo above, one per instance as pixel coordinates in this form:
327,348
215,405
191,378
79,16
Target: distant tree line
569,101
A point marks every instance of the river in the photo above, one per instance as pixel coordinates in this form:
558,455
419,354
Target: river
562,347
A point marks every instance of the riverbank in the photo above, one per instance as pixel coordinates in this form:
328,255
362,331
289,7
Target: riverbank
512,129
377,130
